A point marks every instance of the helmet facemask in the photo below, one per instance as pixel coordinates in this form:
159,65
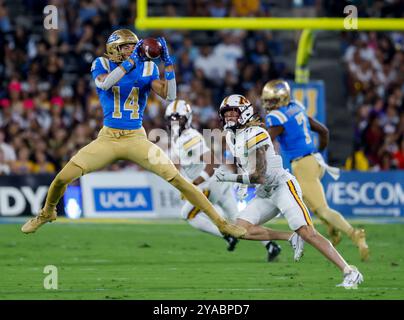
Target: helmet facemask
176,124
244,108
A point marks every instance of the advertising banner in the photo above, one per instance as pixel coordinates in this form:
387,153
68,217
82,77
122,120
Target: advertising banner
128,194
23,194
366,194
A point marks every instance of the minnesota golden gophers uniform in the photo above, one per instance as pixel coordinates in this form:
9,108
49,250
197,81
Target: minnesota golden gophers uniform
280,192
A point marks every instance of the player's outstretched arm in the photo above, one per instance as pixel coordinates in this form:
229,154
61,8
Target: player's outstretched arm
322,132
167,88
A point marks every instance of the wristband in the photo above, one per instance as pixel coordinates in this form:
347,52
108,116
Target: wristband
127,65
169,75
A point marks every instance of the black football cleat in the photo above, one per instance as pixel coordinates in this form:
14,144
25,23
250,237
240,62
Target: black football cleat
232,241
273,250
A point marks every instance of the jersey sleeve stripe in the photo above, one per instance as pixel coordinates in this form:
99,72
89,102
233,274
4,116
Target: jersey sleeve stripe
190,143
302,206
279,115
257,139
147,69
105,64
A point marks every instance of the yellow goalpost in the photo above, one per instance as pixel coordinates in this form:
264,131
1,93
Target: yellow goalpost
143,21
308,25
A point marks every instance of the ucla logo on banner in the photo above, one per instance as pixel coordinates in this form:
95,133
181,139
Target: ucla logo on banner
123,199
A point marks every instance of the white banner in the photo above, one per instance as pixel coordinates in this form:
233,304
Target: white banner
129,194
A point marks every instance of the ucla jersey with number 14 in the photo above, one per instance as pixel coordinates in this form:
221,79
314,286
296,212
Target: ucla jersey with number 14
296,139
123,104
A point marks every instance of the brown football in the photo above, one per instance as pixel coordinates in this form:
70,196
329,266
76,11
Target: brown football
151,48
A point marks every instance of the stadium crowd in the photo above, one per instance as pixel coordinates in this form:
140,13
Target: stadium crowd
49,107
375,85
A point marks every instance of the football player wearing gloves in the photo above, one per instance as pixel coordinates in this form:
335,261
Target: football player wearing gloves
288,122
277,190
124,79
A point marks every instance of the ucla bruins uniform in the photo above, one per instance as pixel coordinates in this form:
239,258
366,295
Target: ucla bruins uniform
124,103
297,143
280,193
123,135
188,149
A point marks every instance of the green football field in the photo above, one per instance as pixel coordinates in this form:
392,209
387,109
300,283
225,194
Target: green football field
171,260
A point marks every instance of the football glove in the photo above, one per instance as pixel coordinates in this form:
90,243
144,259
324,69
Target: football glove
165,56
220,175
135,56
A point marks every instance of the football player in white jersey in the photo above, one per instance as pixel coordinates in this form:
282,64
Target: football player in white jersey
190,152
277,190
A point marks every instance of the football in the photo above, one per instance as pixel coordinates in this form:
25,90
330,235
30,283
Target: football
151,48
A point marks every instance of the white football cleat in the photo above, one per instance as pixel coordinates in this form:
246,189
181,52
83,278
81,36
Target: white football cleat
352,277
297,244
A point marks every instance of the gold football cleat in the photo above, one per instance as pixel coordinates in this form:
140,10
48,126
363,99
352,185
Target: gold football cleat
33,224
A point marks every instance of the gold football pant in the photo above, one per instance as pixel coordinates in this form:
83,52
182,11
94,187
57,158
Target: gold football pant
308,173
114,144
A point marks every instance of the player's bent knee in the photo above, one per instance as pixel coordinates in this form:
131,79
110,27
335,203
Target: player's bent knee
68,174
308,233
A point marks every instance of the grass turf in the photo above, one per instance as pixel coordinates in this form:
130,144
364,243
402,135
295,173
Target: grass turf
174,261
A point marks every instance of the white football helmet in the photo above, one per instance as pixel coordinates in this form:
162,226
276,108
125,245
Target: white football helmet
178,112
240,103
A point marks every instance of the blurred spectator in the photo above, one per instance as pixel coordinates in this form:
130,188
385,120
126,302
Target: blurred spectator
4,166
245,8
357,160
23,164
42,165
8,153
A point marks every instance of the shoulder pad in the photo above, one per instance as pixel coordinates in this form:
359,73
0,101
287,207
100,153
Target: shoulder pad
256,137
101,62
299,104
190,139
277,118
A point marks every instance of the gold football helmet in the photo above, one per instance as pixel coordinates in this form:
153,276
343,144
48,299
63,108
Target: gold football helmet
275,94
116,40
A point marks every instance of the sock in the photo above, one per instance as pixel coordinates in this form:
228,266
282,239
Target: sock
265,243
202,222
